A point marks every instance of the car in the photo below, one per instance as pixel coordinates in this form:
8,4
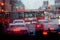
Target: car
18,22
43,21
40,24
17,27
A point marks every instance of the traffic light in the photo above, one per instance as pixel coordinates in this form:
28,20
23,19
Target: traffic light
2,4
1,10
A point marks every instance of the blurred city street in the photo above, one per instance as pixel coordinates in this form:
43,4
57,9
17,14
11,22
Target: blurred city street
30,19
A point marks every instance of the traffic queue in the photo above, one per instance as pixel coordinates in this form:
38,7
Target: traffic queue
27,22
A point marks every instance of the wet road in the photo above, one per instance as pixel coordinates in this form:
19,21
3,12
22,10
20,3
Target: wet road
39,34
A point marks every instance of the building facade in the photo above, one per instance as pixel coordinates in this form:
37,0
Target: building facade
7,6
16,5
57,7
12,5
45,3
57,4
52,7
44,6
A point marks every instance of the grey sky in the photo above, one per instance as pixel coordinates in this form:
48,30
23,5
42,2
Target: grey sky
34,4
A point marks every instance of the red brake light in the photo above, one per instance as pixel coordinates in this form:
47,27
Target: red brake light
27,20
51,28
38,25
16,30
45,33
2,4
58,32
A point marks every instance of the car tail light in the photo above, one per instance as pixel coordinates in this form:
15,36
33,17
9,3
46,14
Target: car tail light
51,28
45,33
16,30
58,32
38,25
7,20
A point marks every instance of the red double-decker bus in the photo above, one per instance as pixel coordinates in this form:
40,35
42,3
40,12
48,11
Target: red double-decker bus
27,15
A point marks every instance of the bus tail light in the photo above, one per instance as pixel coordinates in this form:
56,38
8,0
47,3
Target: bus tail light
16,30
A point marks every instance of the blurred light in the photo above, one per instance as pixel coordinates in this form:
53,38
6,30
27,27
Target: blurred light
1,10
58,32
17,7
51,28
38,25
2,4
26,20
45,33
16,30
59,16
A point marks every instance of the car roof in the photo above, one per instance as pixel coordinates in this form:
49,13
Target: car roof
18,20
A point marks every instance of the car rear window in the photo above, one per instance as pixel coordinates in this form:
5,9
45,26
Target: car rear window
18,21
